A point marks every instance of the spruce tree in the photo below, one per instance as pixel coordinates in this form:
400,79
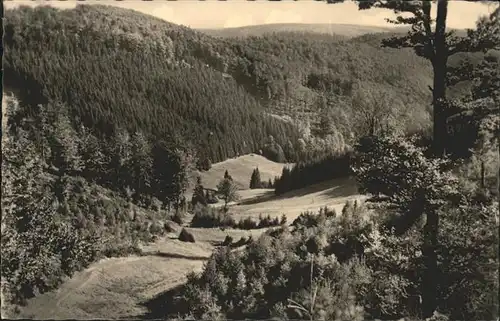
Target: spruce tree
255,181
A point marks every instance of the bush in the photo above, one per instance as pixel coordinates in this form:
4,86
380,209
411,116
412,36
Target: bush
247,224
227,241
283,220
211,198
186,236
156,229
242,241
207,217
466,245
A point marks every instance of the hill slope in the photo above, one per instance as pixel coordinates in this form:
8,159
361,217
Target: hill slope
240,169
118,68
114,67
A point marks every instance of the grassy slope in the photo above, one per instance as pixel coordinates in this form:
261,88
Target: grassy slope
240,168
332,193
118,287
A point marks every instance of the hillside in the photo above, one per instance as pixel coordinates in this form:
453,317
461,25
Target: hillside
332,194
208,93
240,169
120,287
201,91
142,74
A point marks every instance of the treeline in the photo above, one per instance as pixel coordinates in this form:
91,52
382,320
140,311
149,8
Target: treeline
132,164
206,217
313,172
108,80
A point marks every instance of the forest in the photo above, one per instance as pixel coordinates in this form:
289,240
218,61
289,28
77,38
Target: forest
110,113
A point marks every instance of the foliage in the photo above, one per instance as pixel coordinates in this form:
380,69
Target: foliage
437,46
38,246
210,217
259,281
53,222
228,190
395,167
207,217
198,194
227,122
415,186
361,269
469,266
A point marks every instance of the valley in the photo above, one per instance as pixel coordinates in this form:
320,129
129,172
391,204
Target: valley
285,171
117,288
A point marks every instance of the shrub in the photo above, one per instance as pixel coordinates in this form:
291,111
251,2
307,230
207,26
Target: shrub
283,220
186,236
227,241
260,279
156,229
211,198
207,217
247,224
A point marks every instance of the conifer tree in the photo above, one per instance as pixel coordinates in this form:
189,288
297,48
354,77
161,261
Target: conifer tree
198,194
255,181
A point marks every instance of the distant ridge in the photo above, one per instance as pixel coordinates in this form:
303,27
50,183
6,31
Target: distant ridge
343,30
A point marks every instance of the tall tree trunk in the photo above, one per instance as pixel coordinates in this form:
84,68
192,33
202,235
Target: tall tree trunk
498,178
439,63
431,228
431,274
483,174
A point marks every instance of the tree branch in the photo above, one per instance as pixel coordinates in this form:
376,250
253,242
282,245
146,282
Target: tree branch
459,73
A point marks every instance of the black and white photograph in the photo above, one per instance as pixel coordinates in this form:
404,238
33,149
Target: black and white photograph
332,160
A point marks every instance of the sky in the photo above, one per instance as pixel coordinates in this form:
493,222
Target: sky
237,13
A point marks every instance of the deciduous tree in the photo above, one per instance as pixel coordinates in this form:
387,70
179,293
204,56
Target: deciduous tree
228,190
